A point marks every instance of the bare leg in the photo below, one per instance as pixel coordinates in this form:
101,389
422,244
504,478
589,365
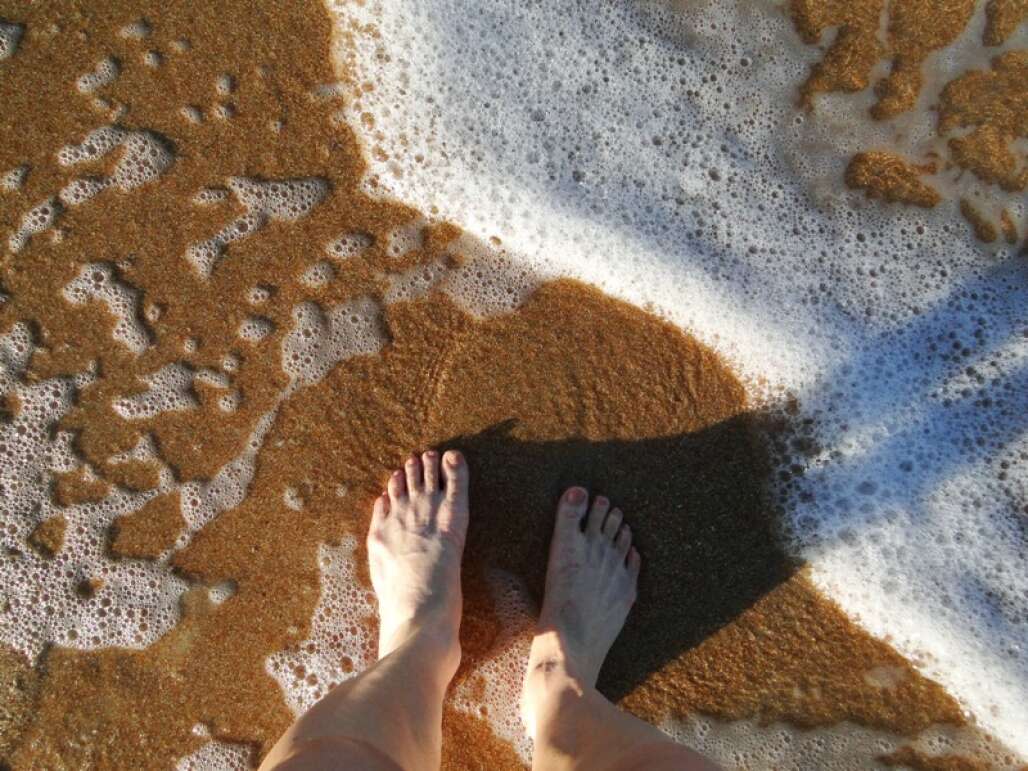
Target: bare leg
389,717
590,587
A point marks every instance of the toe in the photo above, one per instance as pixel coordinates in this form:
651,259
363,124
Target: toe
634,562
430,464
397,487
457,475
598,512
610,527
623,542
570,511
412,468
380,510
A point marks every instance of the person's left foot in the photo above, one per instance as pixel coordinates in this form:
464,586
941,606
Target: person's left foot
415,544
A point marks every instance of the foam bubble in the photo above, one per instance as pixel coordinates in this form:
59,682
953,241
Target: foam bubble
137,30
253,329
217,755
318,275
39,218
14,179
96,282
10,37
348,245
319,340
337,646
225,84
77,596
191,113
104,73
169,389
285,200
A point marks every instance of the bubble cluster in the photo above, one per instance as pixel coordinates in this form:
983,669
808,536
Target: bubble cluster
253,329
14,178
145,156
171,389
106,72
76,596
348,245
492,689
96,282
216,755
10,37
137,30
338,645
845,747
39,218
658,153
321,339
280,200
318,275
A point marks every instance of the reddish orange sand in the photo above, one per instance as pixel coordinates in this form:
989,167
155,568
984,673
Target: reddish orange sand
573,388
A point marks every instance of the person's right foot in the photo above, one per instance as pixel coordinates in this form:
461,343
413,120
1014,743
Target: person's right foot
590,587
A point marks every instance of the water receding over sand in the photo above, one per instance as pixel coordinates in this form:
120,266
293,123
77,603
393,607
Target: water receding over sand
216,341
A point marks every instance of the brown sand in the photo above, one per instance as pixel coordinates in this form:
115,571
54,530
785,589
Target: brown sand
887,176
599,393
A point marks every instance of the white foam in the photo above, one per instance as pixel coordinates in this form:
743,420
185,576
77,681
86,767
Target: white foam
253,329
654,149
225,84
348,245
10,37
39,218
319,340
318,275
285,200
191,113
210,195
103,74
137,30
96,282
14,178
217,755
126,602
224,111
337,646
169,389
145,156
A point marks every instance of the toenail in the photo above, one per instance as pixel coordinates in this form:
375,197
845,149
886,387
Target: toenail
575,495
455,457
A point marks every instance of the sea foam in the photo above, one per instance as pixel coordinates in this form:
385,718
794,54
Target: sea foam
655,149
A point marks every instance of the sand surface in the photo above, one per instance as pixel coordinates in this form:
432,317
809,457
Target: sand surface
572,387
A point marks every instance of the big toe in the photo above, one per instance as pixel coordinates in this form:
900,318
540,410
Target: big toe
570,512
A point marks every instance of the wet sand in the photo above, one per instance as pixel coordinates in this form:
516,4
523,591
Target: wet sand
572,388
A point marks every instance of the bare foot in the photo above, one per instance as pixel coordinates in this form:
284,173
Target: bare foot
415,544
590,586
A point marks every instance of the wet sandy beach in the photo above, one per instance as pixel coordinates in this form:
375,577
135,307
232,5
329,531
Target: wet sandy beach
181,437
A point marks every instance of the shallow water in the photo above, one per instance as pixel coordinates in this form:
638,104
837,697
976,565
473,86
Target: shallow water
232,302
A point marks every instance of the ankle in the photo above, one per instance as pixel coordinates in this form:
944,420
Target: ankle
555,656
428,639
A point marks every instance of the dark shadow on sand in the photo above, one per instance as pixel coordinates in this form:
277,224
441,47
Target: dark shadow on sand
699,511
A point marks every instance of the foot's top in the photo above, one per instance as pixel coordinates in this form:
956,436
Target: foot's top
590,583
415,544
